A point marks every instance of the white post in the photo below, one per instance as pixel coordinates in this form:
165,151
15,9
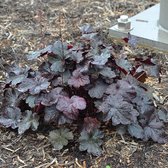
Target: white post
163,18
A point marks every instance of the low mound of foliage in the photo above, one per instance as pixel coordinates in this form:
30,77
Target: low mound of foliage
84,83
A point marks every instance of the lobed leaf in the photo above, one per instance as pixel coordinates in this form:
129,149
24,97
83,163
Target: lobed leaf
60,137
71,106
98,90
10,118
52,114
102,58
52,97
36,54
118,110
107,72
136,130
34,85
77,80
90,124
63,79
91,142
60,49
31,120
12,97
16,74
57,66
30,100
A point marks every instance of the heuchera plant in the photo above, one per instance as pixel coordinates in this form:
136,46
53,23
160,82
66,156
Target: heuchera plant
88,84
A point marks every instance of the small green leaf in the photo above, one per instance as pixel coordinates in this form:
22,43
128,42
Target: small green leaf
59,138
108,166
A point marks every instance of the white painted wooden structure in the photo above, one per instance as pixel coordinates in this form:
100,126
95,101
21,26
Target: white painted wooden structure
150,27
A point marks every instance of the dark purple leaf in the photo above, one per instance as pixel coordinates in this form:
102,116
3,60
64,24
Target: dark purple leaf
107,72
120,111
60,49
149,65
57,66
163,115
124,64
52,114
45,67
91,142
155,134
78,79
17,74
11,97
90,124
63,79
36,54
31,120
85,68
63,119
98,90
34,85
123,88
31,101
102,58
52,97
154,130
71,107
77,56
78,102
136,131
144,102
10,118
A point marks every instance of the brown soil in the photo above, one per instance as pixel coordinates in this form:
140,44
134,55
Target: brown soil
29,25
